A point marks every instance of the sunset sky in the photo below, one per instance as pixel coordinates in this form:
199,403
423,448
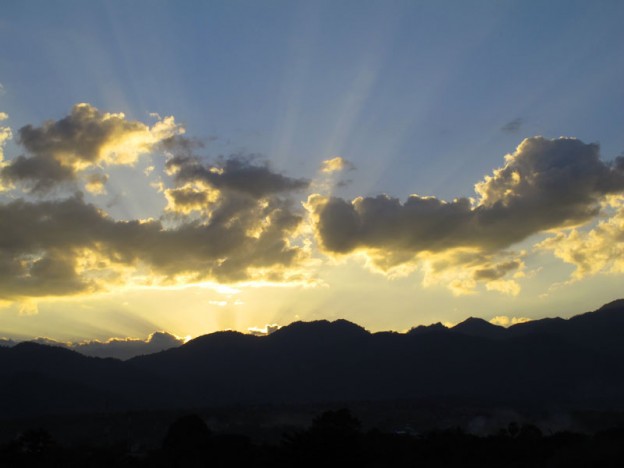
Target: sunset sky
197,166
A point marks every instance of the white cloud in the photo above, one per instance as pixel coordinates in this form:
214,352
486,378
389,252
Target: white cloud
505,321
264,331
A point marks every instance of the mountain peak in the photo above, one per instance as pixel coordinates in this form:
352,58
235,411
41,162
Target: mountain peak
319,331
323,326
474,326
434,327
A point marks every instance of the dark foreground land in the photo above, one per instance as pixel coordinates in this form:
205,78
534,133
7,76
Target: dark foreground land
540,394
334,438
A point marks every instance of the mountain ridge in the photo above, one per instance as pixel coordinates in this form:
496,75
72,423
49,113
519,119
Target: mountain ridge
569,363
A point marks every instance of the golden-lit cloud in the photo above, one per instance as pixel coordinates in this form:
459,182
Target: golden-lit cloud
599,250
336,164
190,198
237,220
462,271
545,184
505,321
231,221
88,136
264,331
59,150
44,245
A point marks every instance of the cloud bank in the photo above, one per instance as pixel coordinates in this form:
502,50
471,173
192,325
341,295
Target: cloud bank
119,348
235,218
227,221
544,185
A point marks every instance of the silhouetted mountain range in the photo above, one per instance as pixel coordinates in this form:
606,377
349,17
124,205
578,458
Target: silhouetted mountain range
573,363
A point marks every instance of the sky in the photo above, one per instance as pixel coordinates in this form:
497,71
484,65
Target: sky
188,167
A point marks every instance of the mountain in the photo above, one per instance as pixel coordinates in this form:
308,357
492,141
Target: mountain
573,363
478,327
600,330
40,379
545,362
433,328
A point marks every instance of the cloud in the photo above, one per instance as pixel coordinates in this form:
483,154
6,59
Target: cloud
234,219
125,348
336,164
96,183
599,250
59,150
7,342
461,271
545,184
119,348
39,174
509,287
513,126
241,174
227,221
495,272
505,321
68,246
5,135
265,331
190,198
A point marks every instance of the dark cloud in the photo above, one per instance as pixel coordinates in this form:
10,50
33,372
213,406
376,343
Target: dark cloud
545,184
182,145
384,222
496,271
513,126
237,173
186,199
39,174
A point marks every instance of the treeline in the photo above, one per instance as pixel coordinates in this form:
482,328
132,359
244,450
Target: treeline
335,438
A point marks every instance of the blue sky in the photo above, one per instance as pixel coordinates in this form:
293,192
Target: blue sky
419,97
